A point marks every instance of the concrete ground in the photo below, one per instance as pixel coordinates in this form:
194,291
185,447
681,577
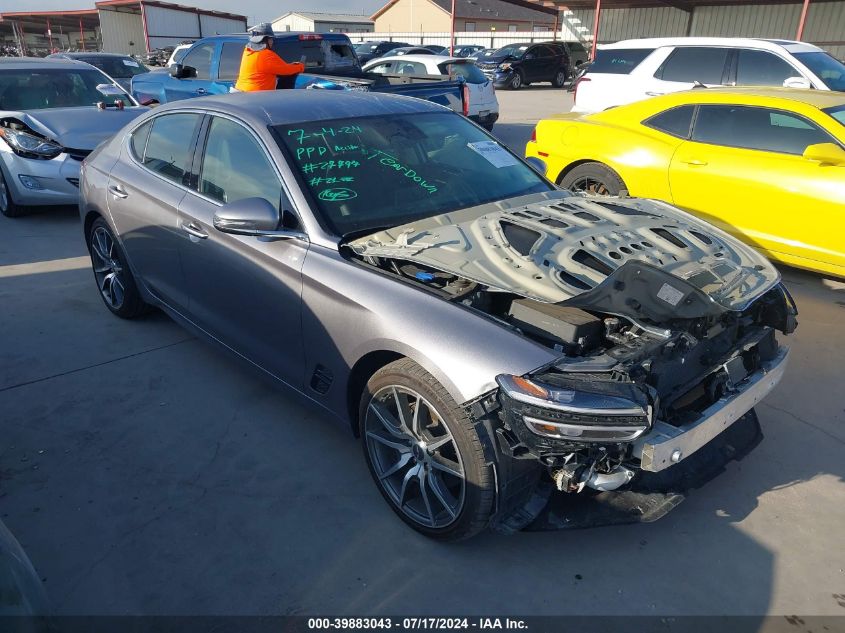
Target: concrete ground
147,473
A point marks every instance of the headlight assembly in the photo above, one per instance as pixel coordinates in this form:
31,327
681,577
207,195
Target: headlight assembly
505,66
572,415
29,145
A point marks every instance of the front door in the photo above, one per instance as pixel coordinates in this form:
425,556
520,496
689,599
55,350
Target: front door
245,291
153,181
199,58
743,170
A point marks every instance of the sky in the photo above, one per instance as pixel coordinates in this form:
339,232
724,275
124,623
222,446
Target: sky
255,10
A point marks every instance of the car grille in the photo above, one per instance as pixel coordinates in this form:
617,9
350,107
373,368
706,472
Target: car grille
74,182
77,154
488,68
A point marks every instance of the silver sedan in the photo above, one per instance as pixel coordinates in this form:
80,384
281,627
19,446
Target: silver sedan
479,329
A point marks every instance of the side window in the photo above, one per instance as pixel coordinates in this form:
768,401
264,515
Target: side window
675,122
235,166
200,59
411,68
171,144
757,128
381,69
138,140
759,68
694,63
230,61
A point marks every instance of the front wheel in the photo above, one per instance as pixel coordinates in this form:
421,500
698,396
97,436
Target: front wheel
115,282
7,203
595,179
424,453
559,79
516,81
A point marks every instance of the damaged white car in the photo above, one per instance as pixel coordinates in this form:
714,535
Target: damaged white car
489,337
52,114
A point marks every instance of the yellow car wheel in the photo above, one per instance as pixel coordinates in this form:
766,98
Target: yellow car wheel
593,178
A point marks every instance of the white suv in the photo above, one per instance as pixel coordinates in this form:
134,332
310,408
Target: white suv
632,70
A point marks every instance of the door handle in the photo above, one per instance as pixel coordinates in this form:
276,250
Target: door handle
655,94
117,191
202,91
193,229
694,162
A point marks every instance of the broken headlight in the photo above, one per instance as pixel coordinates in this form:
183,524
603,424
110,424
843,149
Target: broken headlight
572,415
29,145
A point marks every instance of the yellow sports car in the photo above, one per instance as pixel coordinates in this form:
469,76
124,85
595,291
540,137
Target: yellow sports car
765,164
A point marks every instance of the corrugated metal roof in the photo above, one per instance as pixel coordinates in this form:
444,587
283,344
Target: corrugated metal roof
329,17
495,10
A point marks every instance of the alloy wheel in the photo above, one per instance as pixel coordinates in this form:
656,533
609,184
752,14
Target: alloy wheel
415,457
4,196
591,186
108,269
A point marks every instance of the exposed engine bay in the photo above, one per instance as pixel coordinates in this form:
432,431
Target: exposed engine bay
662,323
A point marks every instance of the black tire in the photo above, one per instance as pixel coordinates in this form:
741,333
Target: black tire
8,207
445,418
109,260
595,179
517,81
560,78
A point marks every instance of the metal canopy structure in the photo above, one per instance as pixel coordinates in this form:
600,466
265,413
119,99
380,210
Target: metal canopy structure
683,5
51,28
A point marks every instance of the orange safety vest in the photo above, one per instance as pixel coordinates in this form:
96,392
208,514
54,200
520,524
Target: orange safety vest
259,70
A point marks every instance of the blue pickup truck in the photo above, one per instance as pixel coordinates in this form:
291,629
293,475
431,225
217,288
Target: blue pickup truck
211,66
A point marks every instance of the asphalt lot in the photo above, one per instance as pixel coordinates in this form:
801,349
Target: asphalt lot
147,473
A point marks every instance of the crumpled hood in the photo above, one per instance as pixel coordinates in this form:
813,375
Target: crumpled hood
556,246
76,128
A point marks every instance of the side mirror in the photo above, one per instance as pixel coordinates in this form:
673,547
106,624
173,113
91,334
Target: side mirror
176,71
825,153
537,165
797,82
253,216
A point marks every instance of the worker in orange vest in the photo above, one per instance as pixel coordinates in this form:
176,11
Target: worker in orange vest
260,66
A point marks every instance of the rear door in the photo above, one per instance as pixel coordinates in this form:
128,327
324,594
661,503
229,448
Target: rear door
688,65
200,58
146,187
743,169
245,291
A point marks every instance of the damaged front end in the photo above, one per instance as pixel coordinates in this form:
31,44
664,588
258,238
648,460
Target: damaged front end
665,328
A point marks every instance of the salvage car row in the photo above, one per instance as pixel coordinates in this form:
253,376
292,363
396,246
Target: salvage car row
507,333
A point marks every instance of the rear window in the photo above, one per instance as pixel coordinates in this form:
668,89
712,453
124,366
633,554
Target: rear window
675,122
319,54
694,63
469,72
619,61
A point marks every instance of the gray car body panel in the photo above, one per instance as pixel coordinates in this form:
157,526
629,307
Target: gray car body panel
348,309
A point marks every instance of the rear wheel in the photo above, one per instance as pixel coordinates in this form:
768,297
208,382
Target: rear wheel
595,179
7,204
114,279
424,453
559,79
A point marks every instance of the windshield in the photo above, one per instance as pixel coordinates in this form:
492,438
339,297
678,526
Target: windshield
370,173
117,67
826,67
39,89
513,50
837,113
366,47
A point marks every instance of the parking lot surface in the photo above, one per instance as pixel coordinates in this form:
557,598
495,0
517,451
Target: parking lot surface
145,472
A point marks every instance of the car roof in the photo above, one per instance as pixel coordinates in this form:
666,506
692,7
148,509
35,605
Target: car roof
788,98
279,35
288,107
87,54
24,63
435,59
751,42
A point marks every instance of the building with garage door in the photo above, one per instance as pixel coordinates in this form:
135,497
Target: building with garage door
323,22
470,15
